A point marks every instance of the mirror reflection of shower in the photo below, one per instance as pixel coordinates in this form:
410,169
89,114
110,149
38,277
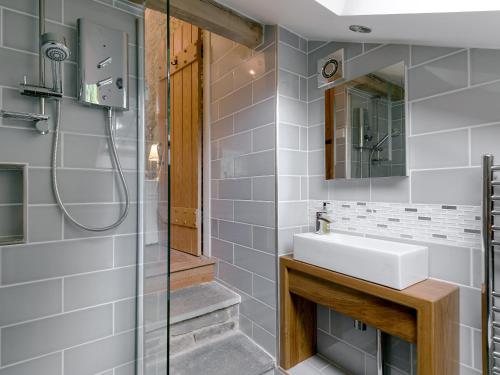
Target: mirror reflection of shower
377,128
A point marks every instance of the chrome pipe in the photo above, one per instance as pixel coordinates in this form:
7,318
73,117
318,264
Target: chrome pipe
380,354
487,245
41,59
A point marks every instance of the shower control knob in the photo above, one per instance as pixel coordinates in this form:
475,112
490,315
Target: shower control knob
42,127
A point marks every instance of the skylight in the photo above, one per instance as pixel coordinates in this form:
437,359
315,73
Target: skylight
380,7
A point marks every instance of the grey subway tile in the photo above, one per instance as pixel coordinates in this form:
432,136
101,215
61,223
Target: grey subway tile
318,188
421,54
292,111
350,190
33,262
289,136
289,188
292,59
288,84
221,128
256,164
470,307
390,189
263,188
292,162
264,290
440,258
342,327
449,73
48,365
236,277
257,115
252,212
255,261
292,214
264,87
222,250
323,318
235,145
107,353
44,336
235,232
483,141
235,189
125,315
260,313
484,65
264,339
236,101
99,287
264,239
44,223
340,353
222,209
263,138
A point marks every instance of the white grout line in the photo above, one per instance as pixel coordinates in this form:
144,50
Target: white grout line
438,58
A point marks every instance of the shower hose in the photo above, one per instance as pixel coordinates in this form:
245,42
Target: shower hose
114,157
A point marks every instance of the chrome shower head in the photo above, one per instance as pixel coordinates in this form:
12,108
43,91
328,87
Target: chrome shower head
54,47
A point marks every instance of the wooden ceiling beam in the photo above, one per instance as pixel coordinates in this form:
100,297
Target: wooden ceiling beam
213,17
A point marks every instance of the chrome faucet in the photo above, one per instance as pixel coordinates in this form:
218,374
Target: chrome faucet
323,220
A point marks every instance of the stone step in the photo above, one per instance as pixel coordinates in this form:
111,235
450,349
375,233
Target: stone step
232,354
200,314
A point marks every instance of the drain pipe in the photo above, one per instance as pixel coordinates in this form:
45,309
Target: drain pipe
361,326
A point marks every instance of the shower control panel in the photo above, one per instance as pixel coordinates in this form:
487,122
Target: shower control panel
102,65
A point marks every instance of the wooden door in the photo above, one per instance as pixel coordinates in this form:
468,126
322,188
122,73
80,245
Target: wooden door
185,136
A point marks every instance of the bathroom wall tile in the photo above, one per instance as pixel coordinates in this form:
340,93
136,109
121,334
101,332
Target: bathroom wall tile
44,336
264,290
260,313
98,288
263,188
264,339
222,209
264,138
303,139
264,239
235,145
11,218
289,136
289,188
92,152
470,314
466,345
316,112
323,318
342,354
125,315
420,54
477,351
435,186
449,149
377,59
107,353
33,262
314,44
221,87
257,115
125,250
44,223
342,327
258,164
472,106
255,261
468,371
292,162
52,8
313,92
240,188
223,168
222,250
219,46
238,100
255,67
15,64
292,111
318,188
316,138
440,258
483,141
39,154
236,277
48,365
303,89
235,232
264,87
350,190
304,188
100,215
288,84
246,325
390,189
439,76
316,163
477,268
289,37
258,213
221,128
70,182
484,65
29,301
397,353
292,59
292,214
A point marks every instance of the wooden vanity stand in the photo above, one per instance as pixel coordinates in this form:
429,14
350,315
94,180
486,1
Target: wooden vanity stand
426,313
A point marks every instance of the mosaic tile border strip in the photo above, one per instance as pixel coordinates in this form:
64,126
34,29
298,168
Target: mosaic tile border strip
453,225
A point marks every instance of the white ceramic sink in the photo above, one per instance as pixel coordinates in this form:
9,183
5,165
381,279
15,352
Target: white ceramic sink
393,264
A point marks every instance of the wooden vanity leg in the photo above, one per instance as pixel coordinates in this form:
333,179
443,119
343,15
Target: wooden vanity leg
298,325
438,337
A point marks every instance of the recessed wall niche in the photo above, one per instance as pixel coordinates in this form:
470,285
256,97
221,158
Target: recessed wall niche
13,197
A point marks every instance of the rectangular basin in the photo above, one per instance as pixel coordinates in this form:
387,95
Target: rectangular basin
393,264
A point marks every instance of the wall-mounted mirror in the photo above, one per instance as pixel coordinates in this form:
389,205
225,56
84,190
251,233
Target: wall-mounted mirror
365,126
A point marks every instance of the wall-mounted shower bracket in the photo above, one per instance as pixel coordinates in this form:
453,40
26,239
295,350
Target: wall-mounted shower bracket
39,120
39,91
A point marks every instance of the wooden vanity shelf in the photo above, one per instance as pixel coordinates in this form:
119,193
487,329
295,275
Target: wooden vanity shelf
426,313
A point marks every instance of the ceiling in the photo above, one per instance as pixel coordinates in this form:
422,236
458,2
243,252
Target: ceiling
311,20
